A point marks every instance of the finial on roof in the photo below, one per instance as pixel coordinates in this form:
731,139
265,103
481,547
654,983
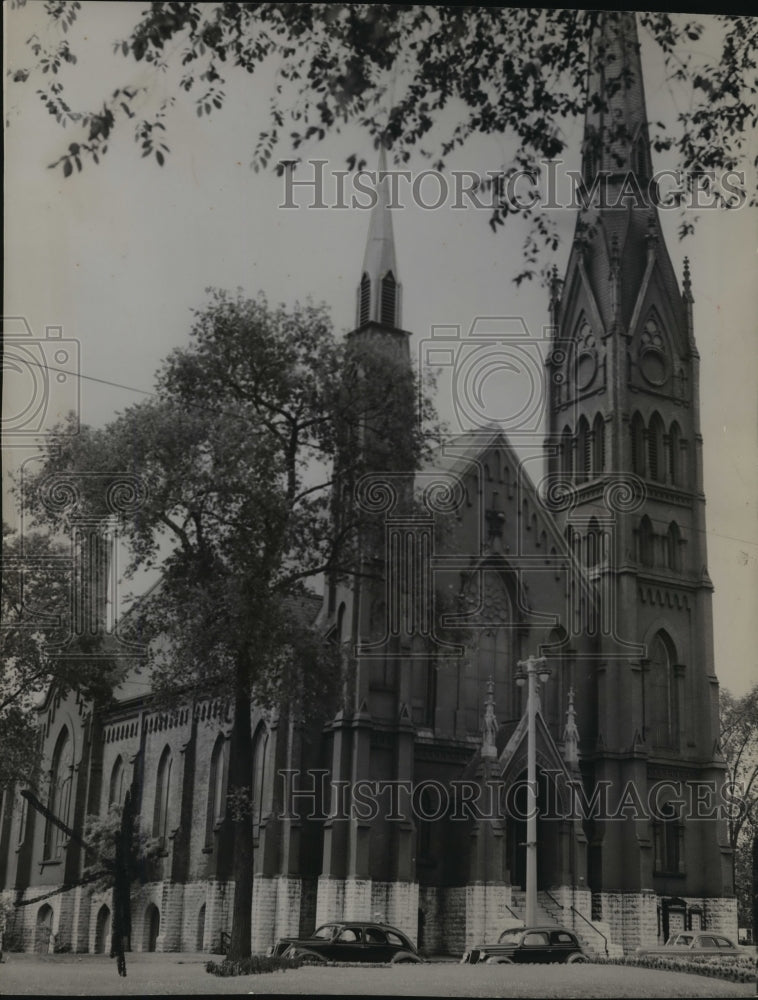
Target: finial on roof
571,733
489,728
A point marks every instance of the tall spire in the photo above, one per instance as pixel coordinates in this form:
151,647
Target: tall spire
379,289
615,134
618,235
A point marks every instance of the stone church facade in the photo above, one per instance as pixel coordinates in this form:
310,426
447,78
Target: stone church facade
592,556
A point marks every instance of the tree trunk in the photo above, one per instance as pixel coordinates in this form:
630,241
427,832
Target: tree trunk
240,785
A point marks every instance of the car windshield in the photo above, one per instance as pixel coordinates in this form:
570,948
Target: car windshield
326,932
512,936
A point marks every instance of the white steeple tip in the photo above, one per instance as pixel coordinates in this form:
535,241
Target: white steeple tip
379,289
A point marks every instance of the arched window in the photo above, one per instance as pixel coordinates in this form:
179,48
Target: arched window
389,300
638,445
675,437
566,447
668,836
216,789
598,445
59,798
673,546
151,928
260,748
660,695
162,796
646,542
639,164
553,694
583,450
364,300
655,448
116,789
593,543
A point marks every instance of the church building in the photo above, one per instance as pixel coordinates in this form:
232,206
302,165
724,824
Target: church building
591,555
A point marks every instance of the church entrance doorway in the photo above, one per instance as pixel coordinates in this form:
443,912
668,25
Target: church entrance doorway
549,832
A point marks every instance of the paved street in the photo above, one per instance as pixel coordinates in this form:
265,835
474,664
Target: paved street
150,974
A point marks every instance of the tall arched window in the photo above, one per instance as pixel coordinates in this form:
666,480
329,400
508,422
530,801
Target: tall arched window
593,543
638,445
673,545
260,748
566,448
553,693
117,789
660,695
59,798
668,835
598,445
364,301
389,299
646,542
675,470
162,798
655,454
216,788
583,450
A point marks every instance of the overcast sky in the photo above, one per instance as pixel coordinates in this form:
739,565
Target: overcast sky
119,255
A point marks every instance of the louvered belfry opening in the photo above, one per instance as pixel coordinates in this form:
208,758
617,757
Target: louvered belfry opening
364,307
389,299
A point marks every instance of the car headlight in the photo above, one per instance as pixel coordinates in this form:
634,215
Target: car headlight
270,950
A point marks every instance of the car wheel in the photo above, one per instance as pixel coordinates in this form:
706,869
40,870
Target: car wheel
576,957
309,958
404,958
498,960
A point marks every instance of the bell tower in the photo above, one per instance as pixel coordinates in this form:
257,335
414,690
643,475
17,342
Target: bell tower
624,441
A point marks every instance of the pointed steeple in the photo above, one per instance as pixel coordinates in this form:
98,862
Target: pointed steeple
379,288
618,235
615,133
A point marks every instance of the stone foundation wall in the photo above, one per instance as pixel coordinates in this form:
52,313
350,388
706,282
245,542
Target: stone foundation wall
454,918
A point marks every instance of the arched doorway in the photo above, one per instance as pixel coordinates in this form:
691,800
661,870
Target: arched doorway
200,928
151,928
43,930
103,930
549,832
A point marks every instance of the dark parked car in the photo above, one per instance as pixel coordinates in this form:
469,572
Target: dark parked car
529,944
692,943
350,941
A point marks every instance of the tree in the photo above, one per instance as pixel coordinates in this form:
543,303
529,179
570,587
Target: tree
739,744
393,69
236,461
41,646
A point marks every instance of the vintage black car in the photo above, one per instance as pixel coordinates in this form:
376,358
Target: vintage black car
693,944
350,941
529,944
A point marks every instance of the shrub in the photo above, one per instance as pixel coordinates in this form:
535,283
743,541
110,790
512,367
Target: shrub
251,966
737,969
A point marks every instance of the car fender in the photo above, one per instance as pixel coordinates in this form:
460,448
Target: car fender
304,954
405,956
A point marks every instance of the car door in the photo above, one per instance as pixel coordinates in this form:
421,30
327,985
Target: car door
347,946
377,947
706,944
562,944
535,947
